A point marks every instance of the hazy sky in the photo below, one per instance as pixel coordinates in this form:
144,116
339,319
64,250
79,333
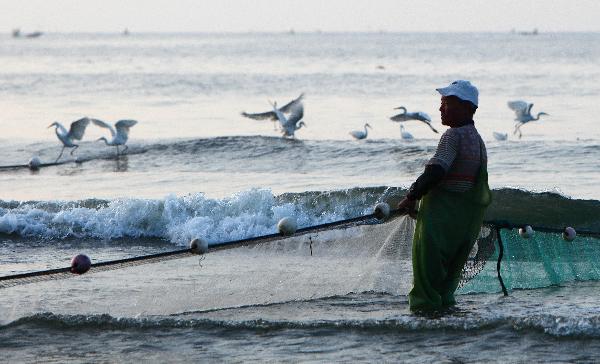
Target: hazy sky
300,15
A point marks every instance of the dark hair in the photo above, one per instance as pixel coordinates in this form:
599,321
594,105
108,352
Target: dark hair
471,105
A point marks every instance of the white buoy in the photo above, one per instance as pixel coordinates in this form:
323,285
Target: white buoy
381,211
569,234
34,163
287,226
199,246
526,232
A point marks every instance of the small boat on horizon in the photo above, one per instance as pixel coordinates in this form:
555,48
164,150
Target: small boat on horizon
16,33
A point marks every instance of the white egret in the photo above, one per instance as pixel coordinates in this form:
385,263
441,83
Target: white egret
75,132
522,111
359,134
271,115
500,136
418,115
404,134
292,123
120,135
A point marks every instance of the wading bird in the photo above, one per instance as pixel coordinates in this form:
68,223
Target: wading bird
522,111
500,136
292,123
120,135
75,132
404,134
359,134
271,115
406,116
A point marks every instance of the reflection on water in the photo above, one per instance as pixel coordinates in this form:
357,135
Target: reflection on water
71,169
121,163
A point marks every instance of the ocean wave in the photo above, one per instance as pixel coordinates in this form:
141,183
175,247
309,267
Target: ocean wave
552,325
254,212
176,219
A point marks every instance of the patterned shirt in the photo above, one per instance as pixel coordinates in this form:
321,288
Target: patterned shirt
459,152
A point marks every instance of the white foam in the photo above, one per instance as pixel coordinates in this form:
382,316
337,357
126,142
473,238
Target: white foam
177,219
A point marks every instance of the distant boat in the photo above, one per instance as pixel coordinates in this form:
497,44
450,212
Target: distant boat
33,35
533,32
16,33
126,32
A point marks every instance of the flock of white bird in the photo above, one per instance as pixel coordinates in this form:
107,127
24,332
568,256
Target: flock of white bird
295,111
405,115
119,133
289,117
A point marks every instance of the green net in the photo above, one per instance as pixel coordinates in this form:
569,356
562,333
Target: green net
543,260
547,259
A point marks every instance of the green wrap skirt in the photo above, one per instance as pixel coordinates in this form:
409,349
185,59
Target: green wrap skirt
448,224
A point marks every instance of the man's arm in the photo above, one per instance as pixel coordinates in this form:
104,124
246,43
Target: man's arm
430,178
432,175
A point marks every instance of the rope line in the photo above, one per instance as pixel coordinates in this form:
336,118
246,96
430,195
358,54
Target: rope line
500,255
544,229
41,165
77,160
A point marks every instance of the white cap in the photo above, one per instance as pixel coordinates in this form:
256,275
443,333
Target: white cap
461,89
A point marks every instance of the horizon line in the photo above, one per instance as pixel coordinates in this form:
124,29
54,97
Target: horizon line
317,31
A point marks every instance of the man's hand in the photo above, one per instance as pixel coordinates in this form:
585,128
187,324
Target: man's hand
407,206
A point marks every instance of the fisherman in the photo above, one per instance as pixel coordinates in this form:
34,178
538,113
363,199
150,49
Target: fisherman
452,194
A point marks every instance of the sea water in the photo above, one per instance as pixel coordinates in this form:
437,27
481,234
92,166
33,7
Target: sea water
196,167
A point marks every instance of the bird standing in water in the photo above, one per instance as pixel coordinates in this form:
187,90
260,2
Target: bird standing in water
359,134
67,138
404,134
500,136
120,132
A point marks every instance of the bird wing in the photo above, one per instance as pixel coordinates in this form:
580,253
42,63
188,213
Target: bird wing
292,104
519,107
431,127
296,113
420,115
102,124
424,117
124,125
271,115
261,116
78,128
399,117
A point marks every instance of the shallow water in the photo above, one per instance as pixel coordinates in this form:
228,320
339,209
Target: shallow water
195,167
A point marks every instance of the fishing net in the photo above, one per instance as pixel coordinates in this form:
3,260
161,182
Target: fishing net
362,237
547,259
542,260
356,255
